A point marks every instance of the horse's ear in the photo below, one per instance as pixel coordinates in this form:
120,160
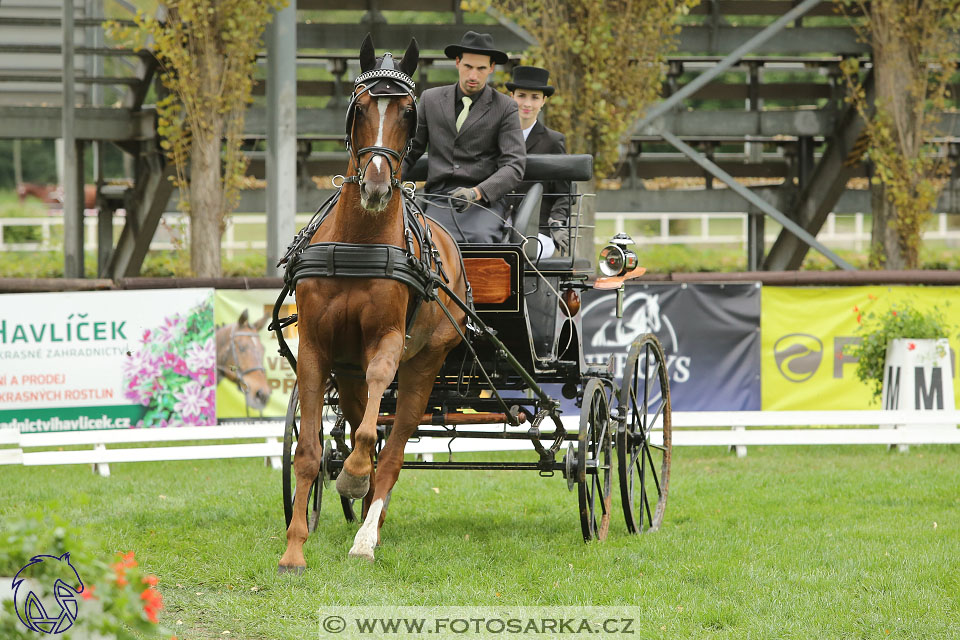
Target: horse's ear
261,322
368,55
243,319
410,58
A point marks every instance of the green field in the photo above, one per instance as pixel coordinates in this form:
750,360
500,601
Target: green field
792,542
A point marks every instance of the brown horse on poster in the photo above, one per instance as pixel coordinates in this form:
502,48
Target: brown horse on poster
240,359
361,322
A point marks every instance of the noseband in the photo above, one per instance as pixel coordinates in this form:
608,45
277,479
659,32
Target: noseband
235,356
380,83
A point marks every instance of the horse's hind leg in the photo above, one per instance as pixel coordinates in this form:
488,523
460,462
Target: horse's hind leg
416,379
311,380
354,479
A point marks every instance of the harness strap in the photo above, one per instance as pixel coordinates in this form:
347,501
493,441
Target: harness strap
343,260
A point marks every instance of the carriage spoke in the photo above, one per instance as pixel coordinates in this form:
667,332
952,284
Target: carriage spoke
643,490
653,469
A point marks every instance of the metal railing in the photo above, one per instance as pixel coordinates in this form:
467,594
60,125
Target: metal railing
247,232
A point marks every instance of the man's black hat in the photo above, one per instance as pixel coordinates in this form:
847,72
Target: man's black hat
473,42
533,78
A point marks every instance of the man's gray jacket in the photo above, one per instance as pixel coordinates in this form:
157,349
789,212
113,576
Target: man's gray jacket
488,152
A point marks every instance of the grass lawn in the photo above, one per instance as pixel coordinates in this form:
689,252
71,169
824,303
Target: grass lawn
790,542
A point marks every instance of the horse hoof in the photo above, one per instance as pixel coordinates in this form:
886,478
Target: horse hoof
351,486
295,570
356,552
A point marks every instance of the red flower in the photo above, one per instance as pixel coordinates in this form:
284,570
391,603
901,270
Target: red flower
894,312
911,346
856,309
858,318
153,603
87,592
150,580
120,568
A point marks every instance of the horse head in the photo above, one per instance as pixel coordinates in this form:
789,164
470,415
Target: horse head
381,122
240,359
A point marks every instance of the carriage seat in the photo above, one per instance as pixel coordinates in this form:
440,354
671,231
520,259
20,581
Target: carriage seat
540,167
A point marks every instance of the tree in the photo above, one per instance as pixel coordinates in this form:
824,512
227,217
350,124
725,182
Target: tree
607,60
207,53
915,48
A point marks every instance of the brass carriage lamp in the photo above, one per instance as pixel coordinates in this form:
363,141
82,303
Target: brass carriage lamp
618,264
616,259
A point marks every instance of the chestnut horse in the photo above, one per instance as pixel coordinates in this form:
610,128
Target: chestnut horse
53,194
360,324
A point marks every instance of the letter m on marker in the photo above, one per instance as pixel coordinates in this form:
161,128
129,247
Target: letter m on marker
921,392
892,401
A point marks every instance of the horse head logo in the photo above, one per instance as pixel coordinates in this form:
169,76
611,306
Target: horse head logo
240,359
48,617
641,314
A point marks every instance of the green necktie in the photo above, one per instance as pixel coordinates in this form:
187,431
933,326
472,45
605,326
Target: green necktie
467,101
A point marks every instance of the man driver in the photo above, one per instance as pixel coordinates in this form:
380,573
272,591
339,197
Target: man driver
476,150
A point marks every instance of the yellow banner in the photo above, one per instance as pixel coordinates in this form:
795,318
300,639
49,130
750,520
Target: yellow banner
803,333
253,380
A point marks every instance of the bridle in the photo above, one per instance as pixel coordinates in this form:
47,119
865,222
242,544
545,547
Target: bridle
235,356
382,82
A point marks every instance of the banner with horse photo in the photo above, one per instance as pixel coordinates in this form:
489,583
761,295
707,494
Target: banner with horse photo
107,360
254,381
710,335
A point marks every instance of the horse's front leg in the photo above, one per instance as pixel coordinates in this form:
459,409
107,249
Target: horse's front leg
383,359
311,380
416,380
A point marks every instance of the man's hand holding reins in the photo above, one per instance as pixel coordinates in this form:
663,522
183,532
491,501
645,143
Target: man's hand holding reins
464,198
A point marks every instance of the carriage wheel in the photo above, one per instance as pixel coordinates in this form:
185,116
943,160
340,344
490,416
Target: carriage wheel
643,460
291,433
594,452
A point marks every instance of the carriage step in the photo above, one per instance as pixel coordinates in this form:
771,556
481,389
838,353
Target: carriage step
439,419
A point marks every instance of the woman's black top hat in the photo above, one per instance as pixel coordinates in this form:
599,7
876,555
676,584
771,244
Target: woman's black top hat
533,78
473,42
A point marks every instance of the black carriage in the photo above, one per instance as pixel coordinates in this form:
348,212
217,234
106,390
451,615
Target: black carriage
526,338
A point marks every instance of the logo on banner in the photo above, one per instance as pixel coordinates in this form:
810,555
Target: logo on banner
56,614
798,356
641,315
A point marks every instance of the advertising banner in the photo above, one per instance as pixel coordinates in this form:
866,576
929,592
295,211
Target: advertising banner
710,335
107,360
804,334
255,381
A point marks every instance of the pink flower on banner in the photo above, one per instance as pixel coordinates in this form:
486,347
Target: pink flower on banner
201,356
171,329
191,400
911,346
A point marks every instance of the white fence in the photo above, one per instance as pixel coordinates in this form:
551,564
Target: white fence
247,232
846,231
736,429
